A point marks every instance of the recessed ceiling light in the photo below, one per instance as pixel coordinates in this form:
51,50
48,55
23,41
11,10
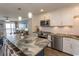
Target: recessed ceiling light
42,10
29,14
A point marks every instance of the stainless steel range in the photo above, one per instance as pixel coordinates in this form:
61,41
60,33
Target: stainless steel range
42,34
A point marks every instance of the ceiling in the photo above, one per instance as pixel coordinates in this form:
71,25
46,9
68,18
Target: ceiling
11,9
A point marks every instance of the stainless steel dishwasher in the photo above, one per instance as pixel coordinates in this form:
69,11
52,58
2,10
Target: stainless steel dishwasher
57,42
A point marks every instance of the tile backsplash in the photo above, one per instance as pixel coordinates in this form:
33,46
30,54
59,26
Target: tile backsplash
63,30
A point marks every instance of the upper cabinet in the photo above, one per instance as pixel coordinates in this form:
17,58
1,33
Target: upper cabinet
61,17
55,19
45,20
45,16
67,17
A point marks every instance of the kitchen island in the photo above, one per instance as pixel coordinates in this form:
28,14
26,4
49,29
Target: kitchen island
27,46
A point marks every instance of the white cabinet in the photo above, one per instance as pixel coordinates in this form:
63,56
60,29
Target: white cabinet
55,19
67,19
67,46
45,16
71,46
61,17
75,46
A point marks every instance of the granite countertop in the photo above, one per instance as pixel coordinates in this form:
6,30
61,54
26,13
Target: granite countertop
74,36
66,35
30,46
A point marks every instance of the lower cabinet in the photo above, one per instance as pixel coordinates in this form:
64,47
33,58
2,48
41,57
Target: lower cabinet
75,46
71,46
67,46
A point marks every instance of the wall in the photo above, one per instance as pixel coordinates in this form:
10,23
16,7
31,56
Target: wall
1,27
35,22
29,26
65,15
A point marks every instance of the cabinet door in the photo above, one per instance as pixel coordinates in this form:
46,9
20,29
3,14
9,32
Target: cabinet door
75,46
67,47
67,18
55,19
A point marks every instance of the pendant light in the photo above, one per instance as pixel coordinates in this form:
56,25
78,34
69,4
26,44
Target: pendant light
29,14
19,17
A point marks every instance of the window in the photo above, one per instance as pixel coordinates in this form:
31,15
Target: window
7,25
23,24
10,28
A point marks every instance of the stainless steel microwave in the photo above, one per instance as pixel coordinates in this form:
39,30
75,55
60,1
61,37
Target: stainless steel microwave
45,23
